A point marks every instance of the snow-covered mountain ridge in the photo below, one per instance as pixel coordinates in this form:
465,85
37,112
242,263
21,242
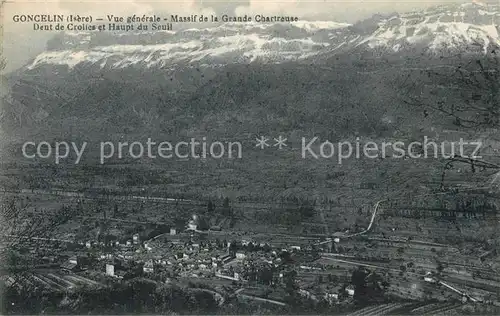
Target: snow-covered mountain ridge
445,27
442,27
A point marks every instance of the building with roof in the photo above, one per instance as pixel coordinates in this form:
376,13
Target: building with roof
68,266
149,267
110,269
350,290
135,239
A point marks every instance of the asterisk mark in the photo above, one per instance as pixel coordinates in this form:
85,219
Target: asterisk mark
262,142
280,142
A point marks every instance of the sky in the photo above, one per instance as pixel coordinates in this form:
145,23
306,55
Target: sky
21,43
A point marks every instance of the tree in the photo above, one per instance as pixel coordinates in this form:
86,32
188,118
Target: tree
332,278
266,275
115,210
210,207
226,208
319,279
368,285
466,89
250,247
202,223
440,267
23,226
306,211
290,283
233,247
225,203
376,286
358,279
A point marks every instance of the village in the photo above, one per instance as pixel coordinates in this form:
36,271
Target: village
388,264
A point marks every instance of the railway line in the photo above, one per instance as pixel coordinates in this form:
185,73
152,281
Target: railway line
383,309
261,299
54,280
443,309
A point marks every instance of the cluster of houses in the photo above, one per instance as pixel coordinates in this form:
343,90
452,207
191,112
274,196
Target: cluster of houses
185,255
77,263
329,293
175,255
116,243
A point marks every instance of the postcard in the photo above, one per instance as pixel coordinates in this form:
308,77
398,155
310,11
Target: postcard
250,157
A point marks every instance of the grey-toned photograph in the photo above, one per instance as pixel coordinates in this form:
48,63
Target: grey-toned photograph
251,157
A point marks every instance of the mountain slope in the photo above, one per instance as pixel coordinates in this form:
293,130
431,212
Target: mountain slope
433,30
322,73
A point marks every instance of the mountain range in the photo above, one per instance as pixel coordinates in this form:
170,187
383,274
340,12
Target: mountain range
123,82
240,81
444,27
